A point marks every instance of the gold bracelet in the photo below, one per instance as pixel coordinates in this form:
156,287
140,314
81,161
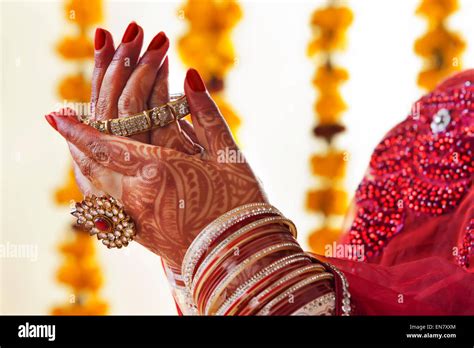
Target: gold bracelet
157,117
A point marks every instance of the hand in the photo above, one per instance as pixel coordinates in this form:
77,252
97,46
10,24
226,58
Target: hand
172,195
124,83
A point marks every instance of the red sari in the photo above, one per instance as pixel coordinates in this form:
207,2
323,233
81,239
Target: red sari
413,215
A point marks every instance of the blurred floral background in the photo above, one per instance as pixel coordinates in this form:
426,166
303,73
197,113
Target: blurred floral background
308,88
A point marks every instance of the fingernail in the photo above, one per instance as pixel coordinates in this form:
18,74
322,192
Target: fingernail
51,121
195,81
100,37
158,41
131,32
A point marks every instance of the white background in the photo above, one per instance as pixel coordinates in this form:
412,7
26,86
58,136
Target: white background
270,87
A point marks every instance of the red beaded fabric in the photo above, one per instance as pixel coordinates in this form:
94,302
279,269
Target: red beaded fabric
422,168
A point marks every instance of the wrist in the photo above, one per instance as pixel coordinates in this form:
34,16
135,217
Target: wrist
248,262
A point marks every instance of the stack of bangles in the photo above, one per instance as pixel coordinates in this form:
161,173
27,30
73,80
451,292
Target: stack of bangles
248,262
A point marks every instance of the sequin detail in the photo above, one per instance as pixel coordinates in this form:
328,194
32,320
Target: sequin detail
423,166
466,249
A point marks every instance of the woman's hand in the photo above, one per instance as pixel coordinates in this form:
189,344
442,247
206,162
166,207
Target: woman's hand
170,191
124,83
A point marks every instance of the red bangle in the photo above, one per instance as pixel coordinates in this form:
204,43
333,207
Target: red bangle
203,273
246,251
301,297
232,229
241,302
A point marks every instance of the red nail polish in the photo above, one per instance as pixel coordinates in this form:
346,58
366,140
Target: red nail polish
195,81
131,32
158,41
51,121
100,37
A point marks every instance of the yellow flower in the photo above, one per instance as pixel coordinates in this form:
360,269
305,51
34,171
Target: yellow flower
84,275
319,239
330,201
211,15
212,54
329,107
329,25
329,78
84,12
69,191
79,47
442,42
430,78
330,165
75,88
80,248
437,10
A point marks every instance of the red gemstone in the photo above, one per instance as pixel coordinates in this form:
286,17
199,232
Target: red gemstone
102,224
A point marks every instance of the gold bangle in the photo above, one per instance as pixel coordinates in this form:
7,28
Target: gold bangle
216,293
157,117
311,279
202,271
322,305
260,297
236,297
212,231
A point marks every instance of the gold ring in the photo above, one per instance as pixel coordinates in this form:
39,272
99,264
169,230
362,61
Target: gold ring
157,117
105,217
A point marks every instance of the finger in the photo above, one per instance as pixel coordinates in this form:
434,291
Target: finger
140,84
103,54
119,154
102,178
188,129
211,129
85,186
171,136
118,72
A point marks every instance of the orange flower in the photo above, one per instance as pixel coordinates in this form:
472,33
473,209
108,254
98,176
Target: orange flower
79,47
211,15
437,10
212,54
75,88
319,239
330,201
80,248
69,191
442,42
84,12
430,78
330,165
329,107
329,78
84,275
329,25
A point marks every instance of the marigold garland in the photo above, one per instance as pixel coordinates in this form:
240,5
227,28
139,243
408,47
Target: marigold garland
80,270
328,198
440,48
207,46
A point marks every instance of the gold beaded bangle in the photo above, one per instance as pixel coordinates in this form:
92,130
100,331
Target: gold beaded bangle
212,231
203,270
272,268
216,293
311,279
